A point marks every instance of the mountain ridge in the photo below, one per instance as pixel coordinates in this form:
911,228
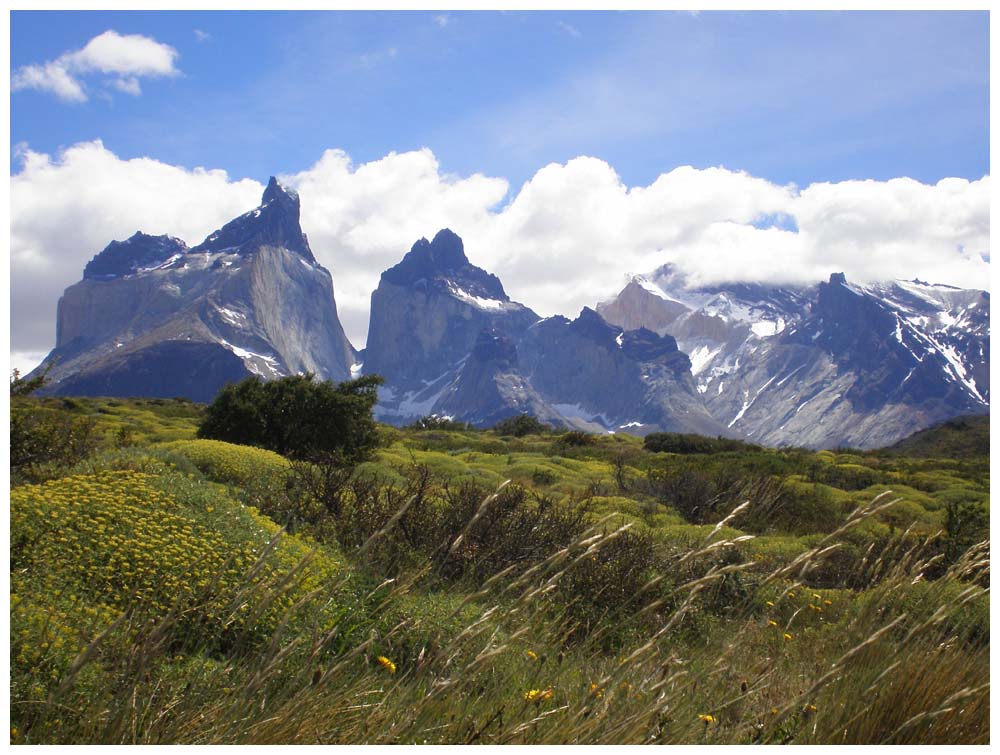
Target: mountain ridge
827,364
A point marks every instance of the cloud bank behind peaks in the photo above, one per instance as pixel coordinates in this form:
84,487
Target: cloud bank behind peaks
564,240
124,58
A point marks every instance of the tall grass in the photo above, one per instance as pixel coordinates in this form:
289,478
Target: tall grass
905,661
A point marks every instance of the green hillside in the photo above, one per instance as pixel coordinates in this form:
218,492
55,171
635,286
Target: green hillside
958,438
463,586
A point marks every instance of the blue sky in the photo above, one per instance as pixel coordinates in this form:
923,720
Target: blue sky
554,143
791,97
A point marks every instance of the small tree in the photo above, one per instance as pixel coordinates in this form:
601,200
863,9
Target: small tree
520,425
298,417
22,386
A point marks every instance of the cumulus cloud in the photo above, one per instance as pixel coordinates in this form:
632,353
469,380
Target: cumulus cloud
126,57
67,208
565,240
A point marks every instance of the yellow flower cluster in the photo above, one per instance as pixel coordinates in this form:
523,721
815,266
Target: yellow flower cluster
118,539
386,664
228,462
538,695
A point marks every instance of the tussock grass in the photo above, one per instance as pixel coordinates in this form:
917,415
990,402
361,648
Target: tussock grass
900,666
463,587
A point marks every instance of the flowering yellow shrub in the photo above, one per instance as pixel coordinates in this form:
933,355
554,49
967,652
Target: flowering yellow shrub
228,462
118,539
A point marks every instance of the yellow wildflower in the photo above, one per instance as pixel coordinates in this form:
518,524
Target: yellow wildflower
818,597
387,664
791,595
827,602
537,695
532,655
771,603
810,708
596,691
707,718
788,637
772,622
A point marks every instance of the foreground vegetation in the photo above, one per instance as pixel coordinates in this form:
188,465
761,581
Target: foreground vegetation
475,586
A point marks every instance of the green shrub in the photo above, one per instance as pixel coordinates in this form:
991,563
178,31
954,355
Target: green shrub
434,422
688,443
43,441
576,438
520,425
543,477
297,417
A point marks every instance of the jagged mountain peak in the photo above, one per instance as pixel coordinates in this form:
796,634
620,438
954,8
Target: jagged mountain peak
276,191
138,252
274,223
443,262
591,325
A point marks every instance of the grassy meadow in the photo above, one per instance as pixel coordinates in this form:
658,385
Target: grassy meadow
468,587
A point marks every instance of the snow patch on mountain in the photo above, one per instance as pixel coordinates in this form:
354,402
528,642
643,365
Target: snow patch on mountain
477,301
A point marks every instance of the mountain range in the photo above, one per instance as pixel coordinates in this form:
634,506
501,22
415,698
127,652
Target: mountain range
829,364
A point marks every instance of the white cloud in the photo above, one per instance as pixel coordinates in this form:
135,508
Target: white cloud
128,85
201,36
569,29
376,57
566,240
443,19
129,56
66,209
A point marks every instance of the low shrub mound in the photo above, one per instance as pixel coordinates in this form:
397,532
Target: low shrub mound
228,462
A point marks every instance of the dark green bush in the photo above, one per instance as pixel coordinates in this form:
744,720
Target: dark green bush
543,477
688,443
520,425
433,422
576,438
43,440
297,417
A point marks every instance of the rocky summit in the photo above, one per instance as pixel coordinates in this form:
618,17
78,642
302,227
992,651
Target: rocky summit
152,317
450,342
826,365
823,365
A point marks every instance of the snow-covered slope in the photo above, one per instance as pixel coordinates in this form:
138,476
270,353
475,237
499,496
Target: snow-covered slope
836,363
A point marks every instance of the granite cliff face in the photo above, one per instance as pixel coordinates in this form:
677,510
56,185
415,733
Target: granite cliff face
449,341
429,310
825,365
152,317
821,365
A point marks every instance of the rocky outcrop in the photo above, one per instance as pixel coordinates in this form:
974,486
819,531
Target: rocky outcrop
252,290
825,365
450,342
120,258
429,310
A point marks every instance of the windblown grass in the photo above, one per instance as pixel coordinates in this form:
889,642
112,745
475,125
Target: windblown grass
154,598
785,664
